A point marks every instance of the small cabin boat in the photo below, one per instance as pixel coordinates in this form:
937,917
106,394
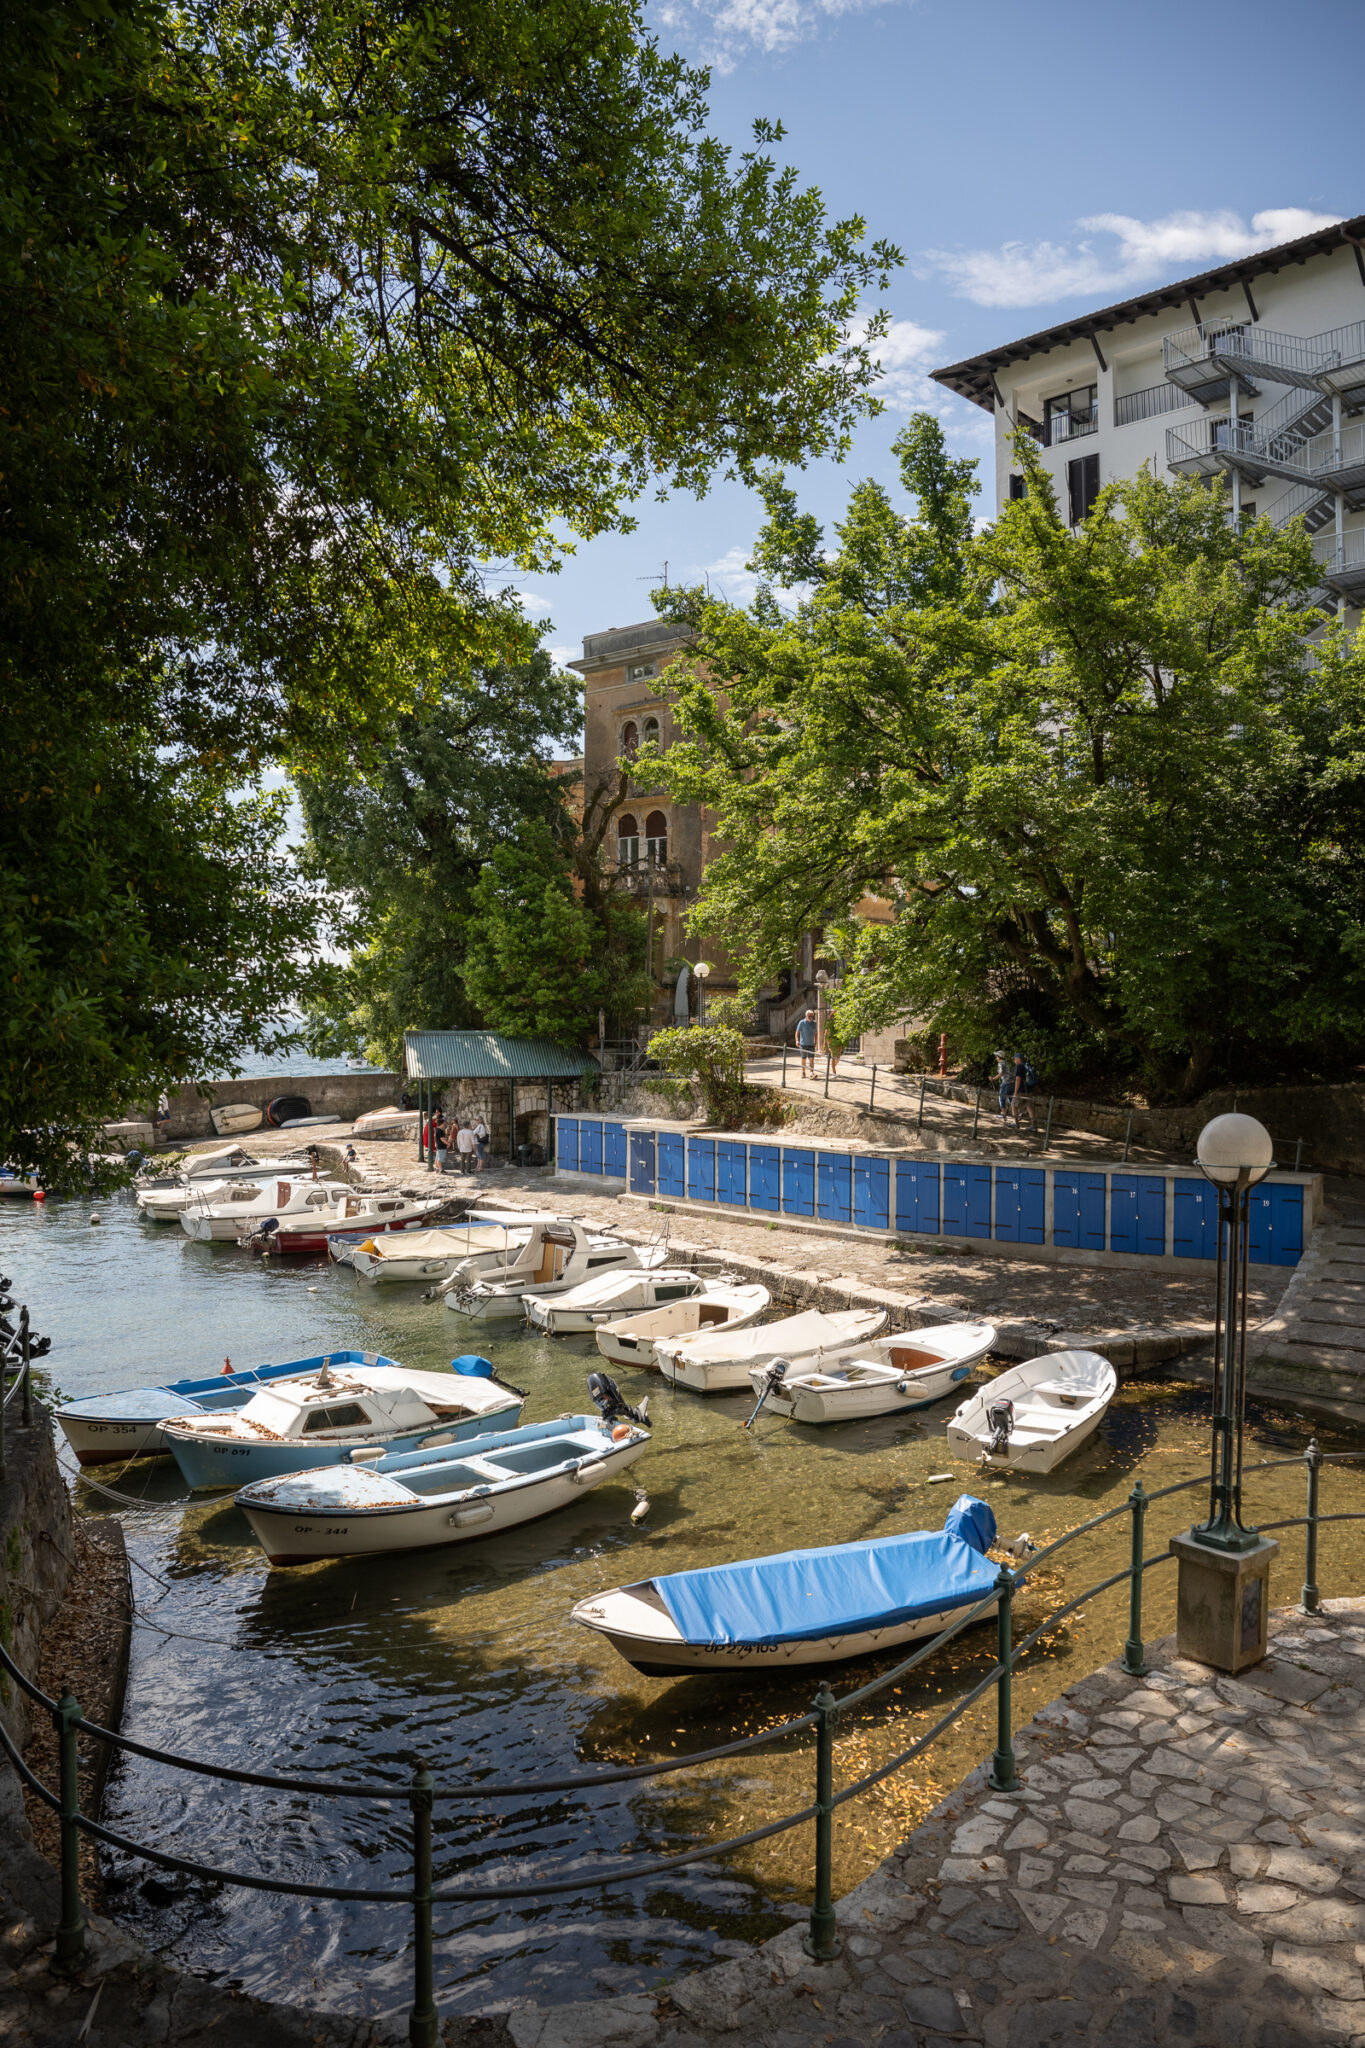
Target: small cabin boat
608,1295
430,1255
14,1181
557,1255
226,1215
161,1197
427,1499
1037,1414
908,1370
341,1414
107,1429
720,1306
720,1361
306,1229
802,1606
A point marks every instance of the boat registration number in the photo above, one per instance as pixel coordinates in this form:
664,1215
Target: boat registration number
322,1529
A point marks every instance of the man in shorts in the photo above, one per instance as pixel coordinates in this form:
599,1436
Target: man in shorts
807,1037
1022,1097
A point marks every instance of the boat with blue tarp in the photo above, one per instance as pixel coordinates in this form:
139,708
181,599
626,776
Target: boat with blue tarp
803,1606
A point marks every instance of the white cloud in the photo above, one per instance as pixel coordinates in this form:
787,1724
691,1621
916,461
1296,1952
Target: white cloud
1116,254
729,578
562,656
906,353
720,29
532,601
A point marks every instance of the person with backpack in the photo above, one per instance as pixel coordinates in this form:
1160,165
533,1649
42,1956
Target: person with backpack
1025,1082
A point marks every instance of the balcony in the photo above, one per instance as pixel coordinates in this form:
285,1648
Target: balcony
1070,426
1149,404
650,876
1343,566
1204,360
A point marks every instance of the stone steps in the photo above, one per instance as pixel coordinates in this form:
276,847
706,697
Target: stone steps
1321,1317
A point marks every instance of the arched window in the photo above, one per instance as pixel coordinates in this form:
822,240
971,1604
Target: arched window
651,732
627,841
656,838
630,739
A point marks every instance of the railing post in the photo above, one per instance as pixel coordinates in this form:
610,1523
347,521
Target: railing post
976,1115
1134,1661
872,1091
923,1083
784,1063
1003,1777
70,1953
822,1943
25,1354
1047,1134
827,1073
423,2023
1310,1601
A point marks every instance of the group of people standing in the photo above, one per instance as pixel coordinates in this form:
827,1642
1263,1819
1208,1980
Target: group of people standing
470,1141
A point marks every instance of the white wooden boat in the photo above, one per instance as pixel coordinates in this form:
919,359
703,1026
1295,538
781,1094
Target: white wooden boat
341,1414
803,1606
607,1295
306,1229
723,1305
556,1256
414,1255
15,1182
1036,1414
377,1123
226,1215
907,1370
161,1197
228,1117
434,1498
720,1361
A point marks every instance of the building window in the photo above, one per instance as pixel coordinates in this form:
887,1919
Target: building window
1082,486
638,670
1018,487
651,732
1076,413
630,739
656,838
628,841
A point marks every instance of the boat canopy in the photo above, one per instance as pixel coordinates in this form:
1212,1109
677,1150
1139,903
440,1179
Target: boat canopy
804,1595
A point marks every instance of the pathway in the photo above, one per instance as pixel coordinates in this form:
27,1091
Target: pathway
1320,1323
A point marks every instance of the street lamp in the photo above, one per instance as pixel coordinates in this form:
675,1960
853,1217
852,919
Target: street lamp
821,984
701,970
1234,1153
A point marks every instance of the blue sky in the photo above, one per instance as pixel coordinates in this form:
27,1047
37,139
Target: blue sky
1029,161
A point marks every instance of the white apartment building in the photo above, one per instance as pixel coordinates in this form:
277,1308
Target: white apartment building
1254,371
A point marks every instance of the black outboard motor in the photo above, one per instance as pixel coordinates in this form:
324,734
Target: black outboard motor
612,1402
772,1380
1000,1422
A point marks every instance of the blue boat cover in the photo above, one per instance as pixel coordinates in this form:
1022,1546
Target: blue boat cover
803,1595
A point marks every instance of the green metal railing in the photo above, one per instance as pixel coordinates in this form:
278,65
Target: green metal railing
422,1896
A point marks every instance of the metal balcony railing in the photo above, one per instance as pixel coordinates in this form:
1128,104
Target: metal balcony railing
1343,562
651,875
1071,426
1259,348
1149,404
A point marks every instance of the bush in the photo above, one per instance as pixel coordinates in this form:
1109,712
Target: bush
707,1063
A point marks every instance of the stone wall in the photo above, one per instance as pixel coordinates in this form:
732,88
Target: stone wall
345,1095
35,1545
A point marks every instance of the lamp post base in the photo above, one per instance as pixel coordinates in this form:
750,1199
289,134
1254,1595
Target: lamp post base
1222,1601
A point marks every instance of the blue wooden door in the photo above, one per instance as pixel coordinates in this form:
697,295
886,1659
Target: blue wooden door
1137,1214
765,1177
731,1174
1078,1210
1020,1192
614,1150
642,1162
967,1201
701,1169
566,1143
872,1193
672,1165
798,1182
836,1187
1195,1220
1276,1237
917,1195
589,1146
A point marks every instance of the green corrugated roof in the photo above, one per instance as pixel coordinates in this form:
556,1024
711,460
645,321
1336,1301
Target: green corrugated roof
489,1056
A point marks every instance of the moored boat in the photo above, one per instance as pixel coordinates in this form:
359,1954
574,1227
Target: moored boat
341,1414
225,1216
306,1229
434,1254
803,1606
433,1498
556,1256
1036,1414
907,1370
722,1305
608,1295
720,1361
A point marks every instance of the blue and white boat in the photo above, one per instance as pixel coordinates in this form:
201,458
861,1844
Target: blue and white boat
108,1429
803,1606
354,1408
426,1500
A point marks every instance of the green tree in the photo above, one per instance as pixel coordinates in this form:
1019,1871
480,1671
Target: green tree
1108,789
306,317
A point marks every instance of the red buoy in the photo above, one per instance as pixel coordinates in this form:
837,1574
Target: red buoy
38,1195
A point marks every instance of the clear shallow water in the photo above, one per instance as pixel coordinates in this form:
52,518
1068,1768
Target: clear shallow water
466,1659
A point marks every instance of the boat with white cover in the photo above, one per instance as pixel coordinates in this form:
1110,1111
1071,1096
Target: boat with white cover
107,1429
723,1305
607,1295
1036,1414
226,1215
557,1255
427,1499
307,1229
803,1606
434,1254
161,1198
341,1414
720,1361
907,1370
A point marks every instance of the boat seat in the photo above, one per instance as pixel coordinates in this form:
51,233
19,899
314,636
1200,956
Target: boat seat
1064,1390
906,1359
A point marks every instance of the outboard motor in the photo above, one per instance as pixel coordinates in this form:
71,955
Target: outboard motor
612,1402
777,1371
1000,1422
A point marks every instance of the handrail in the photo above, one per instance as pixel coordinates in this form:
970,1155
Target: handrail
422,1896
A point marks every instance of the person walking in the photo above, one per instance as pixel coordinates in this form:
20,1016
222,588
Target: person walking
1025,1081
481,1137
467,1147
807,1038
440,1139
1004,1082
833,1046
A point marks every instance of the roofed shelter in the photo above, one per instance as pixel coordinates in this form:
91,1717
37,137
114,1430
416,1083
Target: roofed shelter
434,1059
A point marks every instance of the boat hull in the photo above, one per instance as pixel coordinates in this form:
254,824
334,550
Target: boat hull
860,1402
1041,1457
108,1429
291,1538
661,1658
207,1464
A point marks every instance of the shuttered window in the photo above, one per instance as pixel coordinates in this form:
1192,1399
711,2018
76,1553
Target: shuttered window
1082,486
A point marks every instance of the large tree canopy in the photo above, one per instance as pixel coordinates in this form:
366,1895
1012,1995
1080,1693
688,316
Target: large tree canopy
1114,800
306,317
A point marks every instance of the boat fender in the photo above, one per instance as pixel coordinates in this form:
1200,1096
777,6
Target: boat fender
902,1387
472,1366
588,1472
961,1372
622,1433
482,1511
